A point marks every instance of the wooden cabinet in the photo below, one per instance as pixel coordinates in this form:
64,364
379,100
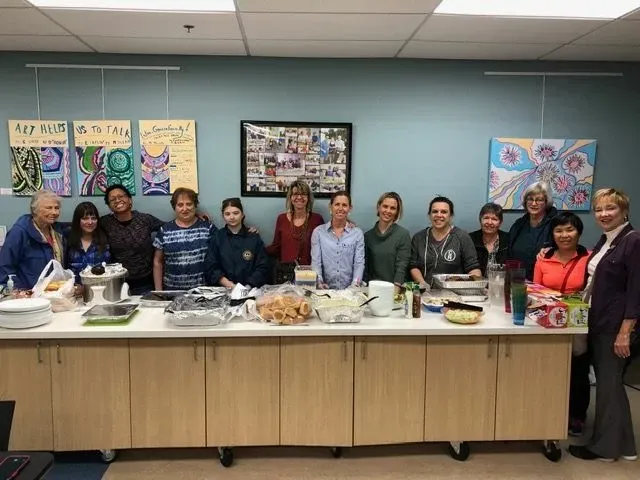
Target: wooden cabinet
316,391
243,391
167,393
25,376
533,387
461,388
91,394
389,390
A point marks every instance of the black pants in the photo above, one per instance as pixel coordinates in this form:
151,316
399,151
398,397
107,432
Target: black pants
613,428
580,389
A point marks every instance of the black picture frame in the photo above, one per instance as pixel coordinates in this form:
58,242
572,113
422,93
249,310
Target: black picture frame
271,159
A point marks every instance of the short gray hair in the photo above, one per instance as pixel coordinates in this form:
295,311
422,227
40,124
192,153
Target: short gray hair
41,195
538,188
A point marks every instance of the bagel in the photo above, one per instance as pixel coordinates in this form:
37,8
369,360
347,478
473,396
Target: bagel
291,312
305,309
279,316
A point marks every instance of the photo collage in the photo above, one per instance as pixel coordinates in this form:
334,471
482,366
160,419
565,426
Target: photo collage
276,156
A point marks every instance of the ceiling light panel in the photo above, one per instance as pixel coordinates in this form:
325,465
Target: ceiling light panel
540,8
141,5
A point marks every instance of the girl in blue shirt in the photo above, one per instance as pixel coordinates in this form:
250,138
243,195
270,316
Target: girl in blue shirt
87,242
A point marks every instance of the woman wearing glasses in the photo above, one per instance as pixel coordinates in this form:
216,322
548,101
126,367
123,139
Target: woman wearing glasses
292,237
532,232
129,233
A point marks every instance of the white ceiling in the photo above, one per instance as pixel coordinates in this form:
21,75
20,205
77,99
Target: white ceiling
320,28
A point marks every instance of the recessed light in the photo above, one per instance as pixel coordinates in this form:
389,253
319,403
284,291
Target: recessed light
141,5
594,9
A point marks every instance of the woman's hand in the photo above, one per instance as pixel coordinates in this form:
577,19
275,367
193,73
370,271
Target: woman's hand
542,253
254,230
323,286
621,347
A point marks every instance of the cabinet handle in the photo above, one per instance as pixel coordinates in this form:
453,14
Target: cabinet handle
345,353
363,350
58,356
195,351
507,352
490,350
38,355
213,351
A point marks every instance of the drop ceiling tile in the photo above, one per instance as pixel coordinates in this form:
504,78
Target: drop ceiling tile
27,21
470,28
318,26
623,32
341,6
326,49
634,16
14,3
218,26
42,43
604,53
166,46
474,51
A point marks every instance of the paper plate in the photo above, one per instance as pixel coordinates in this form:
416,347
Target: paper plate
24,305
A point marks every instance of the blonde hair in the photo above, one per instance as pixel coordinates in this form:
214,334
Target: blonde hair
304,188
393,196
537,188
615,195
40,196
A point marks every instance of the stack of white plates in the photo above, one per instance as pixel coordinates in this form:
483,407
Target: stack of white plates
25,313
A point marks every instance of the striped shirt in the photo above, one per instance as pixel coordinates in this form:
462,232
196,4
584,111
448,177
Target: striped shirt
339,262
185,250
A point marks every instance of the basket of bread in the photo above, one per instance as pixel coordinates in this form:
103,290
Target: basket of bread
340,306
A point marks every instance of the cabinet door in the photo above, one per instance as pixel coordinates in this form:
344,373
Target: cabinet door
167,393
25,377
243,391
91,394
389,390
533,387
461,388
316,391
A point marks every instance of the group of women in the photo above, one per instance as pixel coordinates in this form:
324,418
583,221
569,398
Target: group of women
190,251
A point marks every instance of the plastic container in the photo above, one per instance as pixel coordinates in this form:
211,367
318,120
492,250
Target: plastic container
305,277
342,307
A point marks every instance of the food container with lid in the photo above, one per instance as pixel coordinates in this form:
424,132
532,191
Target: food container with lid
343,306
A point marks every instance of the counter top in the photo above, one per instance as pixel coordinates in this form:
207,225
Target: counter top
152,323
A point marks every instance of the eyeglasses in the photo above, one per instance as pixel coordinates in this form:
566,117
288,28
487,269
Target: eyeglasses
536,200
117,198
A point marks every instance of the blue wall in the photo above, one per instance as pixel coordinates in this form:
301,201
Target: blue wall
420,127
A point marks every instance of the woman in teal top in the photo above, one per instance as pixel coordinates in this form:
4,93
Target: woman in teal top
387,244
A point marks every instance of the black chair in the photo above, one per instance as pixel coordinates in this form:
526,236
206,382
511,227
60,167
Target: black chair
6,419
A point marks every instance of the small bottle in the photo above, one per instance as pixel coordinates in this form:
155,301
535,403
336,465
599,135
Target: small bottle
417,302
408,303
10,283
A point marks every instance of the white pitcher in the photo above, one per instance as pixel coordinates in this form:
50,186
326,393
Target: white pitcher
385,291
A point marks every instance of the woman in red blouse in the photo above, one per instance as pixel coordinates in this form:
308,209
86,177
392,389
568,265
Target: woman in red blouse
563,269
292,237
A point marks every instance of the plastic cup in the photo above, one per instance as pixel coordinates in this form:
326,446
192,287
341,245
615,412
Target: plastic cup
518,302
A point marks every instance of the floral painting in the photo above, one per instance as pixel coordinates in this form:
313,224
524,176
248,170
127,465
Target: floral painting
565,165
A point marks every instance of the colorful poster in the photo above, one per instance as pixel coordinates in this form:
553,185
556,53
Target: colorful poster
104,155
565,165
168,156
40,156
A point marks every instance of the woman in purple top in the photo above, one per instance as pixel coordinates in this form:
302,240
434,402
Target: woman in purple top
613,291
